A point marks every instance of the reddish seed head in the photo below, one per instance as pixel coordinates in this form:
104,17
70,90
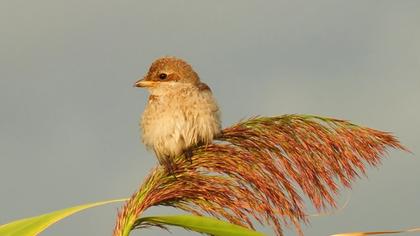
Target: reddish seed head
259,166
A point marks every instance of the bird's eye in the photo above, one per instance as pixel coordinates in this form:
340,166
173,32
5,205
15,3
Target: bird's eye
162,76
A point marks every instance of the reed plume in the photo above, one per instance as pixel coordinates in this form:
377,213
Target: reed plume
257,168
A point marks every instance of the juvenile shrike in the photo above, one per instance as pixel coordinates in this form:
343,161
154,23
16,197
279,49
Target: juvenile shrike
181,111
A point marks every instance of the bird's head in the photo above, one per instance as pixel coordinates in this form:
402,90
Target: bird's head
168,72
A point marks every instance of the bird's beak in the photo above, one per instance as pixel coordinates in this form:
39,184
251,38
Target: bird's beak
144,83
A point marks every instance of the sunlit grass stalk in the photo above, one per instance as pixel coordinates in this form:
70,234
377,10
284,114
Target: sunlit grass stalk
254,170
137,204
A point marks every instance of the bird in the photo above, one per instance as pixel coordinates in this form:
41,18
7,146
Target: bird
181,112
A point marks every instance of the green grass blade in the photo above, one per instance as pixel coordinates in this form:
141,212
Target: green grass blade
199,224
35,225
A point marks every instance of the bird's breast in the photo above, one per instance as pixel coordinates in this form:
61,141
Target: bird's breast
170,124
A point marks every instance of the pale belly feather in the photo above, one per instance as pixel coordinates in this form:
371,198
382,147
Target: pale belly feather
169,125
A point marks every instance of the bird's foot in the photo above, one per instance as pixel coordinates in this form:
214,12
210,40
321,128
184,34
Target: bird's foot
170,168
188,155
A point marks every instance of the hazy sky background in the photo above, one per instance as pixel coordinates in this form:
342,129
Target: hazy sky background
69,114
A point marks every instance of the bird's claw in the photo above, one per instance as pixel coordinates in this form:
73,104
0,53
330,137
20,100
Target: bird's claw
188,155
170,168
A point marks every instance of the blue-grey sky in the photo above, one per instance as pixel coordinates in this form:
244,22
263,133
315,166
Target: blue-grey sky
69,114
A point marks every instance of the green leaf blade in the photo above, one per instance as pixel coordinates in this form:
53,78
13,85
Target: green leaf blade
34,225
200,224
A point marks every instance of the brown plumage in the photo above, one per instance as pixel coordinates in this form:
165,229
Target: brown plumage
181,111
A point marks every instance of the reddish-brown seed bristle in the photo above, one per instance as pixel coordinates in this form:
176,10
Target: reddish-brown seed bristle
256,169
